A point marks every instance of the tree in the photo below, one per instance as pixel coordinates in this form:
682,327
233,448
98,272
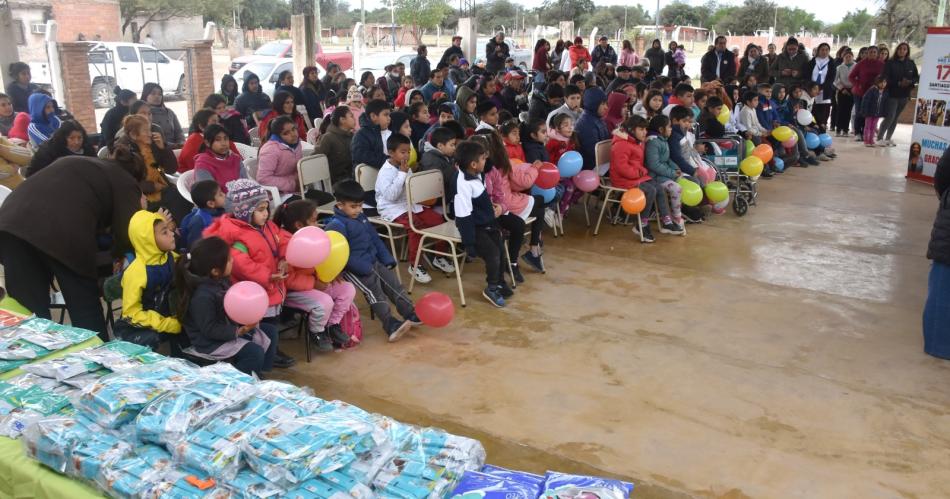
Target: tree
683,14
609,19
137,14
858,22
421,14
497,13
265,14
754,15
905,19
553,12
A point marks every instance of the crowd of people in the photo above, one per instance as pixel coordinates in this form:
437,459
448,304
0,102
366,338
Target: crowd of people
488,128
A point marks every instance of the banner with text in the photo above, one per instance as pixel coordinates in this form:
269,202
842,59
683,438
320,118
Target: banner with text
931,120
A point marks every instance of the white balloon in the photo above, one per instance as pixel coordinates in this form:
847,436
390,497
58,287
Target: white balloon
804,117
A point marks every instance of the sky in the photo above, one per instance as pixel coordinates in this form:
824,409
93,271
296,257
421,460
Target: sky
828,12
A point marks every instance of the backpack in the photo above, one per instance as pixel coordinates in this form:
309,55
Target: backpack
352,326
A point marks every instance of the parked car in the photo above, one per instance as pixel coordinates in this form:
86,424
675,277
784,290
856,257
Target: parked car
268,69
285,49
376,62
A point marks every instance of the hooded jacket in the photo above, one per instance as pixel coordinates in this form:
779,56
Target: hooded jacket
231,97
590,128
42,125
576,52
615,104
872,103
112,123
657,58
626,162
277,166
256,252
658,163
367,145
366,247
249,102
467,120
335,145
147,281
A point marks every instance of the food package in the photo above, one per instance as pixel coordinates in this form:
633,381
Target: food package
184,484
529,479
250,485
50,440
120,355
136,473
102,449
429,464
332,485
20,406
481,485
62,368
565,485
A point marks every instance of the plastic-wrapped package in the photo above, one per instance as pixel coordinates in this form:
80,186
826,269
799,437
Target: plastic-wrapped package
480,485
62,368
20,406
17,349
171,417
184,484
117,398
50,440
8,319
558,485
250,485
132,475
529,479
84,380
117,355
428,465
9,365
91,455
334,485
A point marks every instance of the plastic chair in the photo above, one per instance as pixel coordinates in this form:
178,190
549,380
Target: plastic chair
428,185
103,153
302,109
184,183
366,176
251,166
246,151
177,153
4,192
254,134
314,133
313,170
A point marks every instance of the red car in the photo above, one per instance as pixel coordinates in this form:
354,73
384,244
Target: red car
284,48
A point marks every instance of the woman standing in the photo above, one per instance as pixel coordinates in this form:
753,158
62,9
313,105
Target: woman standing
862,78
841,121
901,74
628,56
753,63
821,69
937,306
657,59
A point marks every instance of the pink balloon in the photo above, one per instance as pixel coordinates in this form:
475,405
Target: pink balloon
706,173
791,141
587,181
308,247
246,302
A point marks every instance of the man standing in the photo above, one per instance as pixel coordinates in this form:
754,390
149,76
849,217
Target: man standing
603,52
419,68
789,67
454,49
496,51
718,63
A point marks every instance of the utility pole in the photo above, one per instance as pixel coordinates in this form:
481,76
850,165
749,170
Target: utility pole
392,18
362,12
657,19
317,22
941,13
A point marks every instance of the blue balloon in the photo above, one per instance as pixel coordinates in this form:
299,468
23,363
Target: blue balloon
570,164
546,194
812,141
779,164
825,140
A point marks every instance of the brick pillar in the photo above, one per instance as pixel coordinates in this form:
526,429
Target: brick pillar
77,89
199,73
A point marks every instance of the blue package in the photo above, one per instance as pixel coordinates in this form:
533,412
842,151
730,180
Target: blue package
475,485
583,487
524,477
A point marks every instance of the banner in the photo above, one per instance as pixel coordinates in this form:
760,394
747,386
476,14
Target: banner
931,120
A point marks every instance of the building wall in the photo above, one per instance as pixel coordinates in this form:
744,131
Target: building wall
33,48
89,17
170,34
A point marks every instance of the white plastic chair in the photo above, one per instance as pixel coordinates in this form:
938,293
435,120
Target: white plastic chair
313,134
184,183
177,153
302,109
255,136
246,151
315,170
251,166
4,192
103,153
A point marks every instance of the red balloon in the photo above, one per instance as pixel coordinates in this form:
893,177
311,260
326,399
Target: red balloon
435,309
548,176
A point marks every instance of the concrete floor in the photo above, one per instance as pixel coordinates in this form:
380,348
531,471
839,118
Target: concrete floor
776,355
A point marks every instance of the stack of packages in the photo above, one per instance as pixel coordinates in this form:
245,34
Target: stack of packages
493,482
22,341
149,426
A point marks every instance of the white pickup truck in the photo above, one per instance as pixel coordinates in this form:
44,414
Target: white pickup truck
128,65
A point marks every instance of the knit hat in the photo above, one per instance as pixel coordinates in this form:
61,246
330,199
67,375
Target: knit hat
243,197
463,62
354,95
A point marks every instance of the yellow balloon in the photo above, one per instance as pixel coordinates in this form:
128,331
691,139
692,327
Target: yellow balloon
752,166
782,133
330,268
723,115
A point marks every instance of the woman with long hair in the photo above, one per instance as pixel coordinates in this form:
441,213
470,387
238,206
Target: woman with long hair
70,139
902,75
284,105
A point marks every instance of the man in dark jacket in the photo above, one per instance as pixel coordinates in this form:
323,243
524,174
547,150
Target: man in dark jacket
590,127
367,146
541,105
514,88
603,52
496,52
623,77
656,57
454,49
419,67
789,67
718,63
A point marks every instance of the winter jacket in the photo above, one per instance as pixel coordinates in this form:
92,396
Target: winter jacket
277,166
449,52
12,157
657,59
210,166
171,129
897,69
230,96
726,63
433,159
205,322
313,97
256,252
677,143
515,151
784,61
872,103
163,160
390,85
467,120
366,247
20,96
628,58
430,89
191,149
827,84
458,76
112,123
749,119
626,162
766,113
263,131
863,74
615,104
534,150
557,147
391,193
590,128
842,73
657,159
607,55
495,61
508,190
711,127
234,123
194,224
401,97
540,61
473,208
147,281
577,52
564,109
367,145
249,102
42,124
759,68
419,70
335,144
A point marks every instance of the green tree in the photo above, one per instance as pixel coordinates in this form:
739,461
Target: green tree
683,14
554,11
138,14
905,19
265,14
421,14
609,19
856,23
754,15
793,20
497,13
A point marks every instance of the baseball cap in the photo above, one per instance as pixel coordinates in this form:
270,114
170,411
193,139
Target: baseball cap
603,38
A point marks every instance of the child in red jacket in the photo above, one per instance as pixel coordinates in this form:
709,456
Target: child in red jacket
561,137
511,135
628,171
257,246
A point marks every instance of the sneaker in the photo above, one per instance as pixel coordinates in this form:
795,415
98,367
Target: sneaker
644,233
672,228
396,328
549,218
811,161
700,220
881,143
322,341
516,273
891,143
413,319
443,264
823,157
420,274
493,296
336,334
534,262
283,361
504,290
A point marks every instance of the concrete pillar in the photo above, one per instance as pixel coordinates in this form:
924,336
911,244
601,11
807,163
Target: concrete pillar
567,30
199,73
302,36
235,42
8,51
467,30
77,89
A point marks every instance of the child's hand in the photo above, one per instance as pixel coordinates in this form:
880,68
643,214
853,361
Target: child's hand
158,140
166,215
498,210
404,166
537,163
241,331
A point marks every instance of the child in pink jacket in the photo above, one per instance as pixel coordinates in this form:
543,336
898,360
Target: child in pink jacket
277,160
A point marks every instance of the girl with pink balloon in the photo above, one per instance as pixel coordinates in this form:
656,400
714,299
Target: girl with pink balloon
223,321
257,247
327,302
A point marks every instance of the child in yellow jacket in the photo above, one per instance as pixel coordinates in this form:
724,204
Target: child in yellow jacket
147,318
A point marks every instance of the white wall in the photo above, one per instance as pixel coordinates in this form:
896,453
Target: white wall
35,48
170,34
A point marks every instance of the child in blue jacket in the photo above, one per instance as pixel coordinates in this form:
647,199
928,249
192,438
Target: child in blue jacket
209,204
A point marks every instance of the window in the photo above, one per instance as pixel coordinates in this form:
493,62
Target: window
153,56
127,54
20,31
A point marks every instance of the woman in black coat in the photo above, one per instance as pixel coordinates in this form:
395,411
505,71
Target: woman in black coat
70,139
112,121
54,226
937,306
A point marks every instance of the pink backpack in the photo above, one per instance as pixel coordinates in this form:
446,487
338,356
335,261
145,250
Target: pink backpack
352,326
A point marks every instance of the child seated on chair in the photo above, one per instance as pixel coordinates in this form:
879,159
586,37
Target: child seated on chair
257,247
665,172
627,171
147,317
511,134
326,302
370,265
475,218
277,161
216,161
392,204
209,204
439,155
203,278
367,145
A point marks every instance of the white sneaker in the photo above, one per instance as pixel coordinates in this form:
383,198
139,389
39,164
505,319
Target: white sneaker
420,275
443,264
891,143
881,143
549,218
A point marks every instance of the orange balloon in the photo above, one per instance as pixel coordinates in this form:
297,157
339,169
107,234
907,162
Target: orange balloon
763,152
633,201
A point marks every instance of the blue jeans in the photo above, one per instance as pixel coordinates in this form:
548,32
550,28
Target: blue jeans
937,312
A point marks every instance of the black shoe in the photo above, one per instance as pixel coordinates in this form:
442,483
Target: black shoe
336,334
645,233
534,262
283,361
671,228
504,290
322,341
396,328
492,294
691,220
767,174
516,273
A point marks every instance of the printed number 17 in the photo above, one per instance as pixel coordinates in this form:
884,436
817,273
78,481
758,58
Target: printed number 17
943,71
